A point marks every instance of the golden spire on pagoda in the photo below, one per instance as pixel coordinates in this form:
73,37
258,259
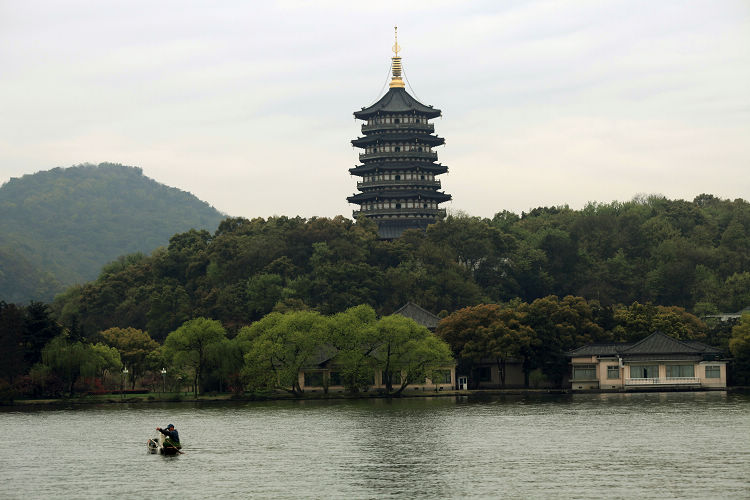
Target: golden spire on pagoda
396,81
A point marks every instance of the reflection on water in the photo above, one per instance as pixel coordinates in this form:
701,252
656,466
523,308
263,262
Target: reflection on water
653,445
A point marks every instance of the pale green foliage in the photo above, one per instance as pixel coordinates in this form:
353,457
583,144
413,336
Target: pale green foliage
109,360
190,346
280,346
70,360
352,333
408,349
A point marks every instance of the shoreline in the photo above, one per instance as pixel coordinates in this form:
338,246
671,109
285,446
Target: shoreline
149,398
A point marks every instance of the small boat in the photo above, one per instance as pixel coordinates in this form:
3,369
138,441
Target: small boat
162,445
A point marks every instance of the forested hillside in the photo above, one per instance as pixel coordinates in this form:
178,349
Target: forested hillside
61,226
695,255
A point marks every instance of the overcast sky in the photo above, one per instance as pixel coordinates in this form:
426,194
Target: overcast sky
248,105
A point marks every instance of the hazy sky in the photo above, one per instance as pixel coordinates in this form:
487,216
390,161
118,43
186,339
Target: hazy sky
248,105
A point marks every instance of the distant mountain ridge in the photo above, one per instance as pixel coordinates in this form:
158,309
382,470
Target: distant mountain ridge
59,227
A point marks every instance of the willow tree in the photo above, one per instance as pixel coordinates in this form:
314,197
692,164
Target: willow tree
407,352
281,345
190,347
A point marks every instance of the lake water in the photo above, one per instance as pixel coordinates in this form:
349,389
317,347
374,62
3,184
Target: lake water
658,445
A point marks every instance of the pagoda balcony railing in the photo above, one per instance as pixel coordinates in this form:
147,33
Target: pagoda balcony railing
396,212
422,127
413,182
398,154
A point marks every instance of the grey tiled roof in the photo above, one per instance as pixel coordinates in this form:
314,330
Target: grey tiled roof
418,314
397,100
656,343
609,349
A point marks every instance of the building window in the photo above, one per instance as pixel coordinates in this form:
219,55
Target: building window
398,205
397,149
644,371
678,371
613,371
335,378
485,375
442,377
713,371
313,379
396,120
584,372
398,177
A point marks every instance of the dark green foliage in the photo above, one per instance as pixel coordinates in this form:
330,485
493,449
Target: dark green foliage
651,250
61,226
24,331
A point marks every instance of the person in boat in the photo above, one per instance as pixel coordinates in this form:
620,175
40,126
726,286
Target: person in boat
172,436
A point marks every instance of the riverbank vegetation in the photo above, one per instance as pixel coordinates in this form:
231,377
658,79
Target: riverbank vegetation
534,284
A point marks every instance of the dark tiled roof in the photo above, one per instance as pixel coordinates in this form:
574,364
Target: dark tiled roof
703,347
396,193
418,314
322,354
433,140
656,343
399,165
610,349
397,100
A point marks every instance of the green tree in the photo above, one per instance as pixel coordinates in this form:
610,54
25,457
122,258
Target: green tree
281,345
190,346
560,325
134,347
408,350
739,346
12,349
70,359
352,334
637,321
107,360
489,331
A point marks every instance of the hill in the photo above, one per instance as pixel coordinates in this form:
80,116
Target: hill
59,227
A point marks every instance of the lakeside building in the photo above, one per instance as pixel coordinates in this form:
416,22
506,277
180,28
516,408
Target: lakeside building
322,373
399,189
726,316
658,362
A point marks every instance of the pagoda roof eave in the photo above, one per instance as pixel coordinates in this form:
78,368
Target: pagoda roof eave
372,195
432,140
437,168
397,100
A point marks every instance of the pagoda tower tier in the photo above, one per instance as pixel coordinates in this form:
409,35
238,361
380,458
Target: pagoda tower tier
399,188
375,168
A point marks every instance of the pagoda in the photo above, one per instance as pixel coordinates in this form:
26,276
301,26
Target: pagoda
399,188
